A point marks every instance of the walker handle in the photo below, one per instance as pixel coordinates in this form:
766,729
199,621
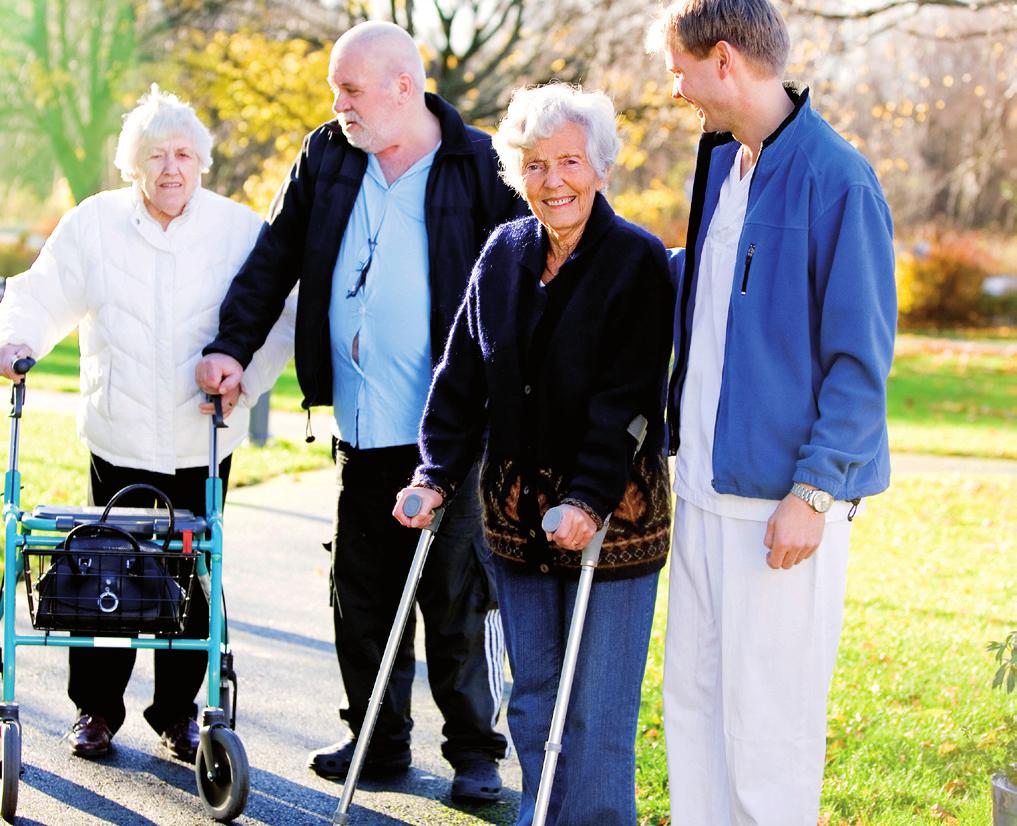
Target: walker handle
23,365
218,420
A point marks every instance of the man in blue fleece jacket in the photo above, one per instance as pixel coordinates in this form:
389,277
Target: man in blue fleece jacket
784,336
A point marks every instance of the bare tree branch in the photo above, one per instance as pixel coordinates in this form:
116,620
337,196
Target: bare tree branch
812,10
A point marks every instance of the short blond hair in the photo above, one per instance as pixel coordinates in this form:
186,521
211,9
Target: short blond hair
754,27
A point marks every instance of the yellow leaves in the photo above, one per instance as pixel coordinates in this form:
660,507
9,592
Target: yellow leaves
955,787
558,64
946,748
942,815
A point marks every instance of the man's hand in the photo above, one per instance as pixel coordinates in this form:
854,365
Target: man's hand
575,531
10,353
430,499
793,533
219,375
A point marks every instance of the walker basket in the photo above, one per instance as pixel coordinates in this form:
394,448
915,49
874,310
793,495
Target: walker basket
103,580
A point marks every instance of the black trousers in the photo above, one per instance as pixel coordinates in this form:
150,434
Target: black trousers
99,676
463,640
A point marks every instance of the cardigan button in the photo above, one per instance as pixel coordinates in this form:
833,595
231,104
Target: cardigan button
526,390
545,568
533,534
526,490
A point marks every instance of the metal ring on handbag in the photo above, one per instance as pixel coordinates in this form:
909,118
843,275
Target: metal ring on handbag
107,597
162,497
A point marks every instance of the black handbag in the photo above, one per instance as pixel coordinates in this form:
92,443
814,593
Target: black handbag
103,580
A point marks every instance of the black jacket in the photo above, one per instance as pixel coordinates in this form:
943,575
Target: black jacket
557,430
465,199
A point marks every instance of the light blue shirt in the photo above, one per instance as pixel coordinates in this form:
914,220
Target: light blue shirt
378,400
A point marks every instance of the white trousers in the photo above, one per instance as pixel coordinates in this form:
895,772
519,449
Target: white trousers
748,660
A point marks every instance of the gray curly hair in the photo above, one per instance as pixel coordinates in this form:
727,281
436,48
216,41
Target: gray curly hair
538,112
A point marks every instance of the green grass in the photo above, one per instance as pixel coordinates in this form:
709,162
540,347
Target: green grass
915,730
953,397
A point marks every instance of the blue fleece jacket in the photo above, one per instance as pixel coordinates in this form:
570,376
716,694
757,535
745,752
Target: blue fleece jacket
812,317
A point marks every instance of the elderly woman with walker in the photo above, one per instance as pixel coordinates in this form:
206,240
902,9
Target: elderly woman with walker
141,271
562,339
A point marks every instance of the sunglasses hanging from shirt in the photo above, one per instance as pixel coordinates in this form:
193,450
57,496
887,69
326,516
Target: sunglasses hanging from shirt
372,245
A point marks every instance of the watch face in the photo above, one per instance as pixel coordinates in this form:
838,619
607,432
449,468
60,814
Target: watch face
822,501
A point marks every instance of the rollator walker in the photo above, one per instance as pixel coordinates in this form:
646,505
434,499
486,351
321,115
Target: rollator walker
118,548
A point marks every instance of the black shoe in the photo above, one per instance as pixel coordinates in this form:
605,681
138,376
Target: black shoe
476,781
91,737
333,762
181,740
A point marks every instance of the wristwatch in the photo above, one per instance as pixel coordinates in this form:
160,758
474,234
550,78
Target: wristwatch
819,500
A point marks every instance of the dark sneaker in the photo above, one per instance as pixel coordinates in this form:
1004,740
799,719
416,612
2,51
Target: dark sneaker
476,781
333,762
91,737
181,740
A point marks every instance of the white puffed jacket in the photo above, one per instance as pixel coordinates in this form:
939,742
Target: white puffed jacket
145,301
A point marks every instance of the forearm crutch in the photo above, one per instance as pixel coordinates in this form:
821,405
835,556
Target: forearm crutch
411,507
591,556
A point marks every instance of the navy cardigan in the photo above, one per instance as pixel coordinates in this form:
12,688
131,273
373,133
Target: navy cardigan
560,433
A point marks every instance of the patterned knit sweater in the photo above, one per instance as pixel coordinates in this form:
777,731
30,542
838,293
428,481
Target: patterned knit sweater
553,382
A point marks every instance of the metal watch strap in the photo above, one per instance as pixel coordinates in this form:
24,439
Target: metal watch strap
803,493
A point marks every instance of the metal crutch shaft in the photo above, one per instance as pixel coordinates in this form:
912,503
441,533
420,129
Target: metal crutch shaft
591,556
411,507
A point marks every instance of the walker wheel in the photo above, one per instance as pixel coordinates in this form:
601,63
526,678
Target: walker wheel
10,769
223,787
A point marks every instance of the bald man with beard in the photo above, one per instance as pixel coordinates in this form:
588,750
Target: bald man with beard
380,220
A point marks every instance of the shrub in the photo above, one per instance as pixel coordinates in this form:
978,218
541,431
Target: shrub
939,282
15,258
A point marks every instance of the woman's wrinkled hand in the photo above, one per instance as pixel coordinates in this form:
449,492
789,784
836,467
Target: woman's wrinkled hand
575,531
10,353
430,499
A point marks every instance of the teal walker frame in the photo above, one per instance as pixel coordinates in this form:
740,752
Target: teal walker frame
222,772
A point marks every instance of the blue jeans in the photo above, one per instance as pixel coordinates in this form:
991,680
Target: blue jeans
595,778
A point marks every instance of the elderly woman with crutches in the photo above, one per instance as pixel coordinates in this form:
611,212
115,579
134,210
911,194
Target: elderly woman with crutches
562,339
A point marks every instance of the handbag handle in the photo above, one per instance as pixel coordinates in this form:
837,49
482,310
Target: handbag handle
162,497
94,529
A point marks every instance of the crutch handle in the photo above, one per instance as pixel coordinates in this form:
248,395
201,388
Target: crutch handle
552,519
412,505
22,365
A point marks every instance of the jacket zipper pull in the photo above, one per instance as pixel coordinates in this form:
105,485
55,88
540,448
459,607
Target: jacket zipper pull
854,508
748,263
308,433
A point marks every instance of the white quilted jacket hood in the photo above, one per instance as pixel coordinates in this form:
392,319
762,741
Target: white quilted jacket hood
145,301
